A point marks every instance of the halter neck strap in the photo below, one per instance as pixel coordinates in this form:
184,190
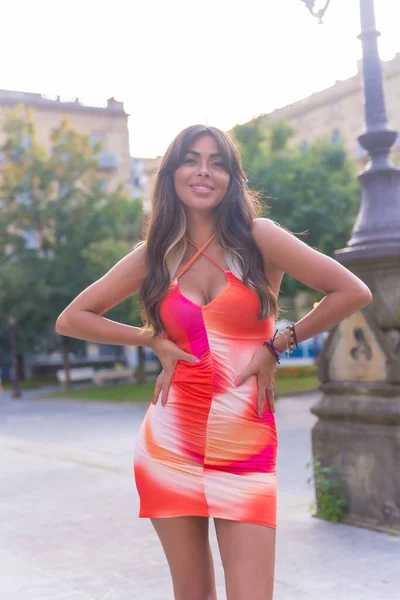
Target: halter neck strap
199,251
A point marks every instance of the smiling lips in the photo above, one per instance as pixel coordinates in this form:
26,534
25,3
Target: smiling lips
202,189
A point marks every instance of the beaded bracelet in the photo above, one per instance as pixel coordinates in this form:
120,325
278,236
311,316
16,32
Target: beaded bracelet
270,345
290,344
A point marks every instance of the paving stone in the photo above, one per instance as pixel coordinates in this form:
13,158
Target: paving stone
70,531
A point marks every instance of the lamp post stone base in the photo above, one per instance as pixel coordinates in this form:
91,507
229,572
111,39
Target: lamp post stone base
358,432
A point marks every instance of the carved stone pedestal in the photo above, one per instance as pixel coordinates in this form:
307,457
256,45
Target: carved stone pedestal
358,431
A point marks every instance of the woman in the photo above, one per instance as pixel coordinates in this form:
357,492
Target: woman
209,274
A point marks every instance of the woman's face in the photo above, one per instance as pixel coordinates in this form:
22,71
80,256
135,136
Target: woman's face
201,181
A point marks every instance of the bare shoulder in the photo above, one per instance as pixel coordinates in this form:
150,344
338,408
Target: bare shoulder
121,281
266,234
283,251
273,272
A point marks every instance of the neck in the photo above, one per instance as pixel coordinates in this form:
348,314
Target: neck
199,228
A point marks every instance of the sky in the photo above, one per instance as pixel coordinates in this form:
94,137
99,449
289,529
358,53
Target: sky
175,63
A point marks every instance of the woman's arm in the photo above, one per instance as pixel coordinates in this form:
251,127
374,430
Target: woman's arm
344,292
82,317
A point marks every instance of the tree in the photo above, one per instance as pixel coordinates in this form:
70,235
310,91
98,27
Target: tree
54,214
314,191
101,256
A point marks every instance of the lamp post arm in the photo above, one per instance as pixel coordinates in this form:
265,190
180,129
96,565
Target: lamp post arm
319,14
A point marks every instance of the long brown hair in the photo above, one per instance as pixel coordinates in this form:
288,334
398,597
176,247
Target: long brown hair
166,227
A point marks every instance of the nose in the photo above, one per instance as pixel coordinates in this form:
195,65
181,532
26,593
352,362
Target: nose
203,170
202,166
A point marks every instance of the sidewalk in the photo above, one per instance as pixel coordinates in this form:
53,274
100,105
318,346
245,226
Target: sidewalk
70,531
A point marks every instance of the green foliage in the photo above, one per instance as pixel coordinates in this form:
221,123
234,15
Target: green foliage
23,291
331,503
121,392
103,255
311,192
296,371
56,200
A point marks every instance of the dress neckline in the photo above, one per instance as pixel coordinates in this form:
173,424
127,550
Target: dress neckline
228,275
200,250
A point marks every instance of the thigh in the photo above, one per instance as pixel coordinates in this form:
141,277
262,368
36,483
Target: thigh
187,549
248,557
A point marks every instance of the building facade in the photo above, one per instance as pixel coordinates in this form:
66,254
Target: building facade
106,124
143,174
337,112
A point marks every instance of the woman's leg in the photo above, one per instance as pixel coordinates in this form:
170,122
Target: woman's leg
187,549
248,557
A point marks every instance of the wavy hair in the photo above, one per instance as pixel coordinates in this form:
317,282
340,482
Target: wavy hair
166,227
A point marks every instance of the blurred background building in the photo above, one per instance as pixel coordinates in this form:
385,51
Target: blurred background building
337,111
107,124
143,172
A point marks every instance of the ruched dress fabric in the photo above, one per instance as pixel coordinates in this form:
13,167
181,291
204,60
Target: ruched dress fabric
207,452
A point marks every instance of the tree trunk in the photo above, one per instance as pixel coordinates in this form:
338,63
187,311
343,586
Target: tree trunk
140,374
16,390
21,367
66,363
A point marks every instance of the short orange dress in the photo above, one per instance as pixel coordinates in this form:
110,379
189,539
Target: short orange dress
207,452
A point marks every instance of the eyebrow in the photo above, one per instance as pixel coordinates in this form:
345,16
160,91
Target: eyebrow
198,153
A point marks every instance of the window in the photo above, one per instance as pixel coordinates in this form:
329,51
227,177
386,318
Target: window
335,137
107,350
30,236
63,189
96,137
304,146
26,141
23,199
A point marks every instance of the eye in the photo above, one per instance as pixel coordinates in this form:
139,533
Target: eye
218,164
188,160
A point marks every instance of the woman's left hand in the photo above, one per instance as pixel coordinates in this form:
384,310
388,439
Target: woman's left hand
263,365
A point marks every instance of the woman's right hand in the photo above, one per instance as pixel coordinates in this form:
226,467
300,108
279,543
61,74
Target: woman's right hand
168,354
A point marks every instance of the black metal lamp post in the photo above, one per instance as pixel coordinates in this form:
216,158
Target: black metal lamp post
376,232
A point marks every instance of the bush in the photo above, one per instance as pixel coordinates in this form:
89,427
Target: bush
296,371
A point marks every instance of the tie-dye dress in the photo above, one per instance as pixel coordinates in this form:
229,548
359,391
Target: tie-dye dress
207,452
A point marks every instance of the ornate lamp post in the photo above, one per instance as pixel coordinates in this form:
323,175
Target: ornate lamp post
358,431
317,13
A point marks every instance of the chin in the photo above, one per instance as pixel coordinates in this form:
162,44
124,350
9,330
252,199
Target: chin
202,205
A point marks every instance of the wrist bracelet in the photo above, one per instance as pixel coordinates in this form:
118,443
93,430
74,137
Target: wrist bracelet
268,344
287,344
290,343
294,336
